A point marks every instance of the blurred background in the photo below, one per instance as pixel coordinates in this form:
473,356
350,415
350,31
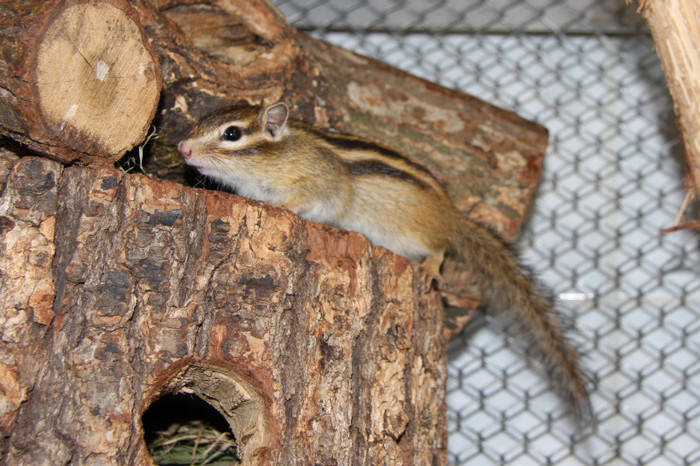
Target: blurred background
585,69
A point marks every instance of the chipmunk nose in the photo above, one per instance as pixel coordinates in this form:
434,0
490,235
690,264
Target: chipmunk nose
184,149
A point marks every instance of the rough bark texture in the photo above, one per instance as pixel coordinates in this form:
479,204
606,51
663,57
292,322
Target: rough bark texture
116,289
76,78
675,27
315,345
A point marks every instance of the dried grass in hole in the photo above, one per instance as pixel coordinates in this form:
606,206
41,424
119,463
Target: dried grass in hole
184,429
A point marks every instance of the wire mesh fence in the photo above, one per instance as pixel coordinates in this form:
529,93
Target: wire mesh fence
585,69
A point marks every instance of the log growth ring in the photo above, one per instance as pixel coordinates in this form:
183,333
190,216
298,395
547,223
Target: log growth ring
98,83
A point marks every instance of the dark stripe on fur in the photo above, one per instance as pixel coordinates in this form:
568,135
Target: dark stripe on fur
349,143
374,167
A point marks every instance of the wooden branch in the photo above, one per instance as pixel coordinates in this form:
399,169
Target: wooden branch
316,346
77,78
675,27
695,224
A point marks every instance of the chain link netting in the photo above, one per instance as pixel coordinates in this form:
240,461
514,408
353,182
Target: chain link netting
586,70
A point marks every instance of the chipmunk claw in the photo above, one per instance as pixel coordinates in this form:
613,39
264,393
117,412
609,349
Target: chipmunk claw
430,269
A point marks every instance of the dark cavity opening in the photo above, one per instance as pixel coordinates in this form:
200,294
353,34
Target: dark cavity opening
184,429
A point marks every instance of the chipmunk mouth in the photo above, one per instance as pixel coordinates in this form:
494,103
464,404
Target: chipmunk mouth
197,165
190,156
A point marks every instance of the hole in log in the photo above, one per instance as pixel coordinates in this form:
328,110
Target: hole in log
180,427
199,395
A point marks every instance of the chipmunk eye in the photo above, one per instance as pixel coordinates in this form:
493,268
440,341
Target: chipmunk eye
232,133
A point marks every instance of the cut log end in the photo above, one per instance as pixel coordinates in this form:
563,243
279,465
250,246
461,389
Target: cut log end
97,80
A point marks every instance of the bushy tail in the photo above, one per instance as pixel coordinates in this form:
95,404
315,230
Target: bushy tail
508,285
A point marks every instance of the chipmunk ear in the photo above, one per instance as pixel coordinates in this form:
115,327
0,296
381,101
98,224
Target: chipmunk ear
275,118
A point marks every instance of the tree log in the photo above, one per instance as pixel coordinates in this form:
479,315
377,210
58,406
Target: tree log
315,345
675,27
76,78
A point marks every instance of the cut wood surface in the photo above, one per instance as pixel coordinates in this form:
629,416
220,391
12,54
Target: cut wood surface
316,346
79,78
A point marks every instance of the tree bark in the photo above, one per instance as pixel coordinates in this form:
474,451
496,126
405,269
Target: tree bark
675,27
77,78
315,345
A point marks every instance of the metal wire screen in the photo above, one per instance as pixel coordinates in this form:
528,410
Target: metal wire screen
585,69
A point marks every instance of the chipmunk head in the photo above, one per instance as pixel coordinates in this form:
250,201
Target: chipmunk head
235,131
240,147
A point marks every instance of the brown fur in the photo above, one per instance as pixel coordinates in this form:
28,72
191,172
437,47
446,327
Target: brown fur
508,286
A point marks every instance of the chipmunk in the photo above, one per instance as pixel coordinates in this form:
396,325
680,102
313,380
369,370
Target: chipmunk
396,203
